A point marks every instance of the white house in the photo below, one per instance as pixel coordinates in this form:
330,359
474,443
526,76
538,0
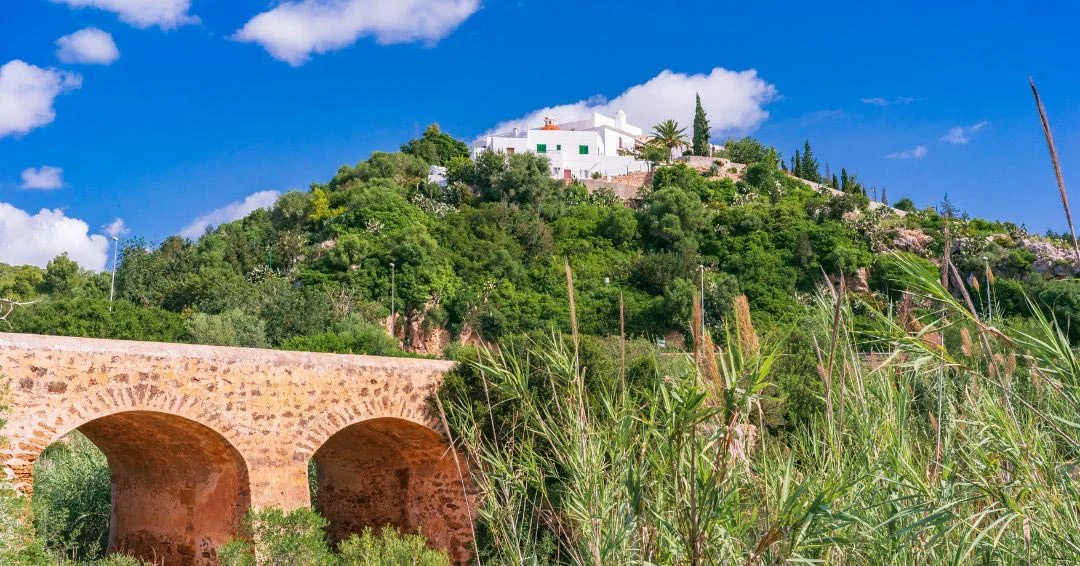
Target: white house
576,149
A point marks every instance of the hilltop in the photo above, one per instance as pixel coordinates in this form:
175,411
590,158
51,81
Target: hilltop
482,258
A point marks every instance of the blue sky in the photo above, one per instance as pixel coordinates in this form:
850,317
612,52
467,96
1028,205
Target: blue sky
211,101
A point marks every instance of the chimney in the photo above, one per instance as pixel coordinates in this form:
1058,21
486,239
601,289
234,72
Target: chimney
620,120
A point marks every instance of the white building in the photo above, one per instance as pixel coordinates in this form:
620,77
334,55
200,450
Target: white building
437,175
576,149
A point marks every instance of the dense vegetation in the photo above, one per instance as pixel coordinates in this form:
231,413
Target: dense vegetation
859,439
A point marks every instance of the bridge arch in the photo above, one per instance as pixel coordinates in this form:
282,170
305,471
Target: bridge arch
179,488
179,483
393,470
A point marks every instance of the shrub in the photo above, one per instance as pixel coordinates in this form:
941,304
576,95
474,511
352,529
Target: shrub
72,498
389,549
276,538
233,327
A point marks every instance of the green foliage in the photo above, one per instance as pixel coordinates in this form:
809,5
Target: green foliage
72,498
905,204
61,277
20,283
526,181
297,538
436,147
233,327
669,135
91,318
701,129
353,337
684,177
275,538
673,218
746,150
808,167
389,548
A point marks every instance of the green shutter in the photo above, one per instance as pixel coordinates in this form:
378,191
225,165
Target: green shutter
583,150
541,148
558,147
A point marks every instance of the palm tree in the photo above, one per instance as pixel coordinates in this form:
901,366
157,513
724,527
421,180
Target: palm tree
668,134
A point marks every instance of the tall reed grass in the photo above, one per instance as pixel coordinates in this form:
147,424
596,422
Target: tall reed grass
925,454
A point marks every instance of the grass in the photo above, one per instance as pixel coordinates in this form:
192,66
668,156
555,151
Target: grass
925,454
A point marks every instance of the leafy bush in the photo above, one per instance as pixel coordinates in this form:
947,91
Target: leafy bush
355,338
233,327
275,538
91,318
389,548
72,498
298,538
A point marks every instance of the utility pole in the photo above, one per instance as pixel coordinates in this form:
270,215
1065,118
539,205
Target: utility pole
112,283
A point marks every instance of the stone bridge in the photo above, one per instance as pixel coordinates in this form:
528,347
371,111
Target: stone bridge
196,435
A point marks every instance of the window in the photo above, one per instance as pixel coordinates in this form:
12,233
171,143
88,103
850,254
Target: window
541,148
583,150
620,143
558,147
584,173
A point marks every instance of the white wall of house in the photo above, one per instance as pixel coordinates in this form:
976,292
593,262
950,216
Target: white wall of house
583,147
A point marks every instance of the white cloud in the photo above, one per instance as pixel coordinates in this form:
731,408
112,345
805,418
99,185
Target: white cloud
294,30
45,178
962,134
27,94
89,45
34,240
116,228
879,101
166,14
917,153
733,101
228,213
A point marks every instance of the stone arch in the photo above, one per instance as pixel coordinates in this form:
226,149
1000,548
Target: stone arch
392,470
29,433
179,487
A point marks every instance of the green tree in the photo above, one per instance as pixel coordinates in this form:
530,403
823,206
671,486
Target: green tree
797,166
701,129
746,150
810,168
905,204
61,277
436,147
669,135
525,181
673,218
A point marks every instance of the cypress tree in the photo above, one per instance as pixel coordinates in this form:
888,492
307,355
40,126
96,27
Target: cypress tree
845,182
797,168
835,183
884,198
809,164
701,130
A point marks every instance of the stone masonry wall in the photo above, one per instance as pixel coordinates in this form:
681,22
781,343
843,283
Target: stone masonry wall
211,430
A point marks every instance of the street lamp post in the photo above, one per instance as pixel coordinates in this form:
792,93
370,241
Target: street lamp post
702,299
393,300
112,282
